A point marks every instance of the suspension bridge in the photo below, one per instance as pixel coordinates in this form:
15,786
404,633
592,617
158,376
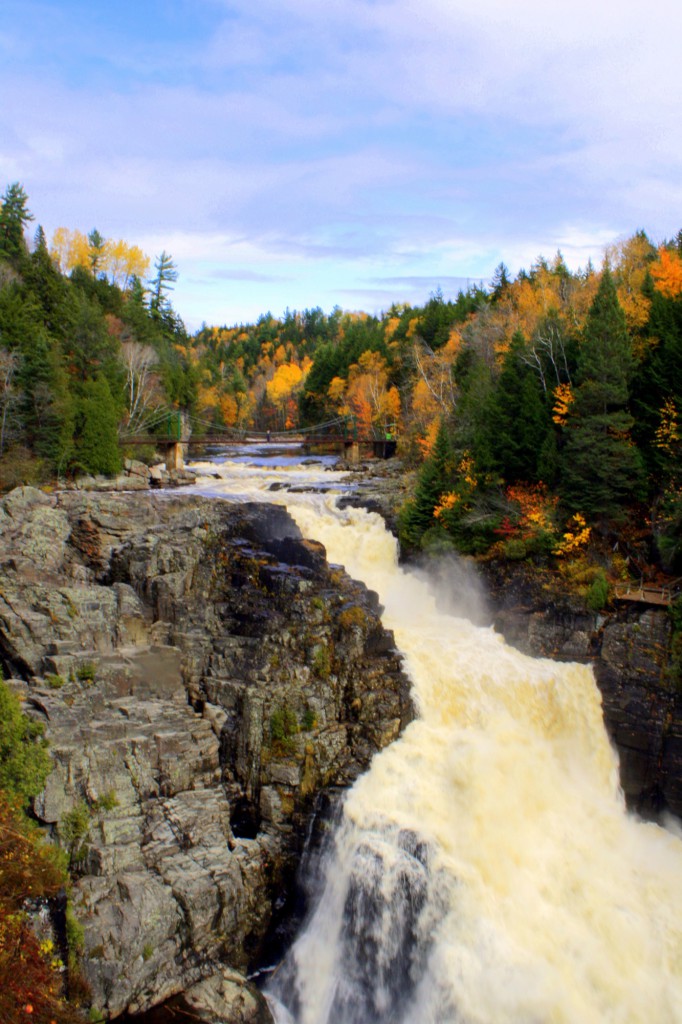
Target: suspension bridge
174,432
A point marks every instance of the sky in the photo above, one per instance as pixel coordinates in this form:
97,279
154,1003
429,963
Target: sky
302,153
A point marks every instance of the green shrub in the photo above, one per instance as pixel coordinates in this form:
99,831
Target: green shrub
598,594
107,801
147,951
86,672
24,760
74,830
55,682
514,549
283,724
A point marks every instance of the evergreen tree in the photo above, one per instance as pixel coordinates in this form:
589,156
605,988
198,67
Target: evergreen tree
601,468
97,443
518,420
500,282
435,479
97,252
166,273
46,405
14,215
45,282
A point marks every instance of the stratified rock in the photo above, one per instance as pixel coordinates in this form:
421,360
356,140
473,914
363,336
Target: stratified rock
202,674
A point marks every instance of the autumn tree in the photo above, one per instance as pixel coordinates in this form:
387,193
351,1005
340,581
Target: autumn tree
31,979
282,390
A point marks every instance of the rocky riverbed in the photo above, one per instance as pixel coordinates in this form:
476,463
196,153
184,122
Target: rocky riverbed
203,675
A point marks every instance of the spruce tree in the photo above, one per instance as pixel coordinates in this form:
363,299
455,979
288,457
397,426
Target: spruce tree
601,467
97,444
14,215
518,420
435,479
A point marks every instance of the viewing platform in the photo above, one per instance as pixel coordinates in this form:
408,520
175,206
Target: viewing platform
648,593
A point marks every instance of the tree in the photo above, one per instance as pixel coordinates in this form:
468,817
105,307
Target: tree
435,480
518,420
282,391
14,215
9,396
97,251
97,442
500,282
601,468
166,273
141,384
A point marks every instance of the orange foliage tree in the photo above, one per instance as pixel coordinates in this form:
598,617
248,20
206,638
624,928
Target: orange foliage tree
31,973
375,405
667,273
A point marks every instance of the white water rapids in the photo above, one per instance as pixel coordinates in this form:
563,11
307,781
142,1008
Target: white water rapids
485,870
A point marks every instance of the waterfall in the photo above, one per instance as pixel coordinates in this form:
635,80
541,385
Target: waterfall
485,870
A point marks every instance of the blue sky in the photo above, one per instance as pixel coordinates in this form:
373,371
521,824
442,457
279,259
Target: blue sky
353,152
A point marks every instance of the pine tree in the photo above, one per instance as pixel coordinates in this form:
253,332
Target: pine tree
166,273
14,215
601,467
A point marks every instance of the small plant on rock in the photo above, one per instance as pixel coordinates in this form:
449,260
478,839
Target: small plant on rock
86,672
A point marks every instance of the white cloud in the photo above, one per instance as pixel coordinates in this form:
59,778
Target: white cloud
388,137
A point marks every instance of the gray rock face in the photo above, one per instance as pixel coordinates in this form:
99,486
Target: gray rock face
202,674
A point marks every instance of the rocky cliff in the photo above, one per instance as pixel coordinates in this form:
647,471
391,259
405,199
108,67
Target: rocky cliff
203,674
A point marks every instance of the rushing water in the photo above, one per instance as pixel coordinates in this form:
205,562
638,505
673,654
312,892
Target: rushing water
485,870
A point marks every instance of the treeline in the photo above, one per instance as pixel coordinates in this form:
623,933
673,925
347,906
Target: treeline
547,408
89,350
542,410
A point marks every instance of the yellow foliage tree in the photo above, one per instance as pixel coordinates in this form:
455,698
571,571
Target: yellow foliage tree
120,261
367,396
69,249
630,260
285,383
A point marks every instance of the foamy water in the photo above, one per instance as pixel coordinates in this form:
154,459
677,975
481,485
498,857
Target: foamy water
485,871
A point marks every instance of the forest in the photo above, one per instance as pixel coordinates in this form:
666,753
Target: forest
539,414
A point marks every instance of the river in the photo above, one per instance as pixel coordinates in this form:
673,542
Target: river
485,870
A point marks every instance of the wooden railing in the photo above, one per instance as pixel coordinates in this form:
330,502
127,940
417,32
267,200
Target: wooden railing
648,593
